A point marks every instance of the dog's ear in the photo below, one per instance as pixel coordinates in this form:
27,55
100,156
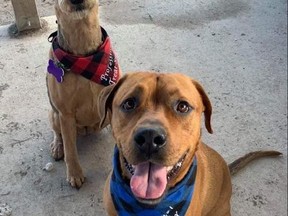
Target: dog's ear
207,106
105,100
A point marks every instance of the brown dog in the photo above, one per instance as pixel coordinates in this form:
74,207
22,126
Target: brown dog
81,64
159,157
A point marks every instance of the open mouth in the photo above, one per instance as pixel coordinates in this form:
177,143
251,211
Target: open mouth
149,181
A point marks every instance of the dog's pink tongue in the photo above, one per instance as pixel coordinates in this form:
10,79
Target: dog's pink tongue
149,181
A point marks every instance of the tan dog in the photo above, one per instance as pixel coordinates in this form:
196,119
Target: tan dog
156,122
81,64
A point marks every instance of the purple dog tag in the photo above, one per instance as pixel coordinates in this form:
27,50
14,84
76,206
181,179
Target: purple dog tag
55,71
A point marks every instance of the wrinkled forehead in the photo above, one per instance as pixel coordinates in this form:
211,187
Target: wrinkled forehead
159,86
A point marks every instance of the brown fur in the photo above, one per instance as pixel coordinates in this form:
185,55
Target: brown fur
75,101
156,94
238,164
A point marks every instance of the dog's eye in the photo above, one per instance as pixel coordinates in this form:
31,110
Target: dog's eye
129,104
183,107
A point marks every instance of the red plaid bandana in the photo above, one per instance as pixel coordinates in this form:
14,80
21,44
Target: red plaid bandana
100,67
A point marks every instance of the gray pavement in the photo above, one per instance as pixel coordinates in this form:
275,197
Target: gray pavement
236,48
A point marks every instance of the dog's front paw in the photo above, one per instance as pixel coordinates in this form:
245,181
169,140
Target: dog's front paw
57,150
75,177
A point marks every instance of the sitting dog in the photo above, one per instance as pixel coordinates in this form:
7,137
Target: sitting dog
161,166
81,64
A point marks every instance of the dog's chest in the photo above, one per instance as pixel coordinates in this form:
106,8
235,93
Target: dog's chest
86,102
76,95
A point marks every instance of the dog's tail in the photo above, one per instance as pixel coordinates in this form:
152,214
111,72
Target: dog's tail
238,164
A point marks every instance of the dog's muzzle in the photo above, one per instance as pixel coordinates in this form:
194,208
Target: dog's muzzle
150,140
75,2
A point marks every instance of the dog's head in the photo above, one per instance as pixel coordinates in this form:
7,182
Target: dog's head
156,121
75,9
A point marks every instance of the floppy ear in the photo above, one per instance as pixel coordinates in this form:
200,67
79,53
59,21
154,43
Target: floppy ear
105,100
207,106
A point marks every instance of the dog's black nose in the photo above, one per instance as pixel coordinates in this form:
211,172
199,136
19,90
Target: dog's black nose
76,1
150,140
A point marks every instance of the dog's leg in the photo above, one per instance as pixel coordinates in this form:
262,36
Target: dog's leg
85,131
74,172
57,144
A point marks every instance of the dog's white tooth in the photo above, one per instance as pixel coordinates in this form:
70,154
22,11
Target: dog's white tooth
169,168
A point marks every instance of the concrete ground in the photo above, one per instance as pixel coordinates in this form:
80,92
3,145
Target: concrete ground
236,48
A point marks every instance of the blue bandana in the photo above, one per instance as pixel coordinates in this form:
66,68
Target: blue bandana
175,202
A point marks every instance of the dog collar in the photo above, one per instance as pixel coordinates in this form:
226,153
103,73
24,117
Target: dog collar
100,67
175,202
